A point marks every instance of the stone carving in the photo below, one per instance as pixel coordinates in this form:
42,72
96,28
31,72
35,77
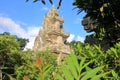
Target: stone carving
52,36
89,25
107,41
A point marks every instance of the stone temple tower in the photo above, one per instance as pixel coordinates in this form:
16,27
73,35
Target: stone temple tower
52,36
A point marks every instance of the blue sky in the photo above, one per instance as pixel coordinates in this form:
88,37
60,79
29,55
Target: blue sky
25,19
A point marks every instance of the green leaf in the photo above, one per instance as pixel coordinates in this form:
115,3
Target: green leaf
71,67
66,72
91,53
114,74
46,70
117,45
6,68
38,79
10,77
114,51
99,50
59,77
97,77
82,63
87,47
91,73
87,68
75,61
105,5
85,65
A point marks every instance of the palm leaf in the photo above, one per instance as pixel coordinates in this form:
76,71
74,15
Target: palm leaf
43,1
35,1
51,1
27,0
59,4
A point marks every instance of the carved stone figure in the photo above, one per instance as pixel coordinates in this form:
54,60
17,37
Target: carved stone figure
52,36
89,25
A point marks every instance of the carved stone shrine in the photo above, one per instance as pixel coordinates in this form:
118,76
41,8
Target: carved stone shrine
52,36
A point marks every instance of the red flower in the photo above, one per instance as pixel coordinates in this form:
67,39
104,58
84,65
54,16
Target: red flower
25,78
39,62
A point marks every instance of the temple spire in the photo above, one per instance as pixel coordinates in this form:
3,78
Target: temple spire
52,36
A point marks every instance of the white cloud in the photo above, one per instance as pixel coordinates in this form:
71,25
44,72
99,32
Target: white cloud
44,9
21,23
78,38
9,25
81,39
31,43
70,38
32,33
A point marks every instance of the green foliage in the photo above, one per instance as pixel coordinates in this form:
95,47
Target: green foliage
48,57
8,44
22,42
9,51
33,71
11,42
40,67
10,54
109,59
75,45
74,70
114,60
87,62
107,17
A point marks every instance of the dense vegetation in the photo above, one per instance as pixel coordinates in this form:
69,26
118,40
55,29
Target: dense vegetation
86,62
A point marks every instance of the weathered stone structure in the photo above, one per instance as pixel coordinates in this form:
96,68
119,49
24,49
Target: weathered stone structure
52,36
89,25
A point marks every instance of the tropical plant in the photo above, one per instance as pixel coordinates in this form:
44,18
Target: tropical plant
39,67
33,71
114,60
109,59
73,69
